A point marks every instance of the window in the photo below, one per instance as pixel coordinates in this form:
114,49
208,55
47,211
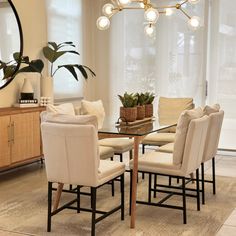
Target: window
64,24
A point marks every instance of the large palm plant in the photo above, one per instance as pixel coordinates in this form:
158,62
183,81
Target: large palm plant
54,51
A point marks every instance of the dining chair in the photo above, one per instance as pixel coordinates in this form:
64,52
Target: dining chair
169,110
186,159
72,157
216,117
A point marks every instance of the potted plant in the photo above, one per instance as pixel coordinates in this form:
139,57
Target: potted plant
53,51
149,98
141,106
128,112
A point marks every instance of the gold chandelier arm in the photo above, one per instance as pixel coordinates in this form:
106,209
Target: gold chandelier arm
181,4
185,13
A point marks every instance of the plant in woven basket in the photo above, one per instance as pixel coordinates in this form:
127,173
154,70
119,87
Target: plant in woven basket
141,106
149,98
128,112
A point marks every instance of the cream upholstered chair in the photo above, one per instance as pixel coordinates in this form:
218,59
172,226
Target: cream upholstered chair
169,110
186,159
212,141
72,157
120,145
213,135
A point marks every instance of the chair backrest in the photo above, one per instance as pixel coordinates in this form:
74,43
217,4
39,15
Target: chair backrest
194,145
71,153
213,135
181,132
169,109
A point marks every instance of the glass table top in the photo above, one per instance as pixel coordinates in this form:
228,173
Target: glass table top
139,129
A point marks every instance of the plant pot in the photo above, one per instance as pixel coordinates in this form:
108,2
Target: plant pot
47,88
128,114
140,112
149,110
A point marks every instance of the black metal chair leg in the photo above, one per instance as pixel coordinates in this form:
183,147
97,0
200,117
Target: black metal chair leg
198,190
130,191
177,180
71,187
121,157
113,188
203,183
155,185
78,199
131,154
93,197
122,190
49,206
143,148
143,175
170,180
112,159
214,175
149,187
184,201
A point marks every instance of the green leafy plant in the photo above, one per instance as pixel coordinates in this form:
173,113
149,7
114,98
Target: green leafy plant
30,66
129,100
141,99
53,51
149,98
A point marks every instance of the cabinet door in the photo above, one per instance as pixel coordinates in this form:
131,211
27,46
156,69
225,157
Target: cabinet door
26,143
5,150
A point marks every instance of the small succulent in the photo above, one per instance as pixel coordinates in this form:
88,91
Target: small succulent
149,98
141,99
129,100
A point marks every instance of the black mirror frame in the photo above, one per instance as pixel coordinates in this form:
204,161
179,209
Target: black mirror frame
21,43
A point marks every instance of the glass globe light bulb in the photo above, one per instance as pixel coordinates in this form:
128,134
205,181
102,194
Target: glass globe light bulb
151,15
103,23
108,9
194,22
193,1
124,2
169,12
141,4
149,30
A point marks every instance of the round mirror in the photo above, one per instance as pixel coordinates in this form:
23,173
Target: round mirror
11,42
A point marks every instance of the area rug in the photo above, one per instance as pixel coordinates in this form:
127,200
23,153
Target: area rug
23,208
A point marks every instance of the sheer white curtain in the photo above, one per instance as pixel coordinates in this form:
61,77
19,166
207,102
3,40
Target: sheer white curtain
65,24
222,66
170,64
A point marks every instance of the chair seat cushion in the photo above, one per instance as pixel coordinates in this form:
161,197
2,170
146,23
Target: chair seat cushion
159,139
168,148
106,152
108,170
157,162
120,145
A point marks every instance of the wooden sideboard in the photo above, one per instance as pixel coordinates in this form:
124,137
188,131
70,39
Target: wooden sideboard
20,138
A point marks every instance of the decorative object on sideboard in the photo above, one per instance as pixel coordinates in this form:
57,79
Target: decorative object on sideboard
27,92
149,98
151,13
52,52
44,101
128,112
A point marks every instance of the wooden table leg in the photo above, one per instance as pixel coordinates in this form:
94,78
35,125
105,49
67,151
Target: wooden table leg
57,196
137,140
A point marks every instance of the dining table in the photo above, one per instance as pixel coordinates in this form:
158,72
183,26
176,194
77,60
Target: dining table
136,130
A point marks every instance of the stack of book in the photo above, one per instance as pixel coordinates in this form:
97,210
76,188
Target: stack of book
27,103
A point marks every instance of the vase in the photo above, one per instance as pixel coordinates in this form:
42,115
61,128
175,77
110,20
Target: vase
27,92
47,88
128,114
149,110
140,112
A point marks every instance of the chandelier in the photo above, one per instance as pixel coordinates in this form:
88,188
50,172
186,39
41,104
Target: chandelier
151,13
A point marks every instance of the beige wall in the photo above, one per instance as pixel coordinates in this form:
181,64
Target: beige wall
33,19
